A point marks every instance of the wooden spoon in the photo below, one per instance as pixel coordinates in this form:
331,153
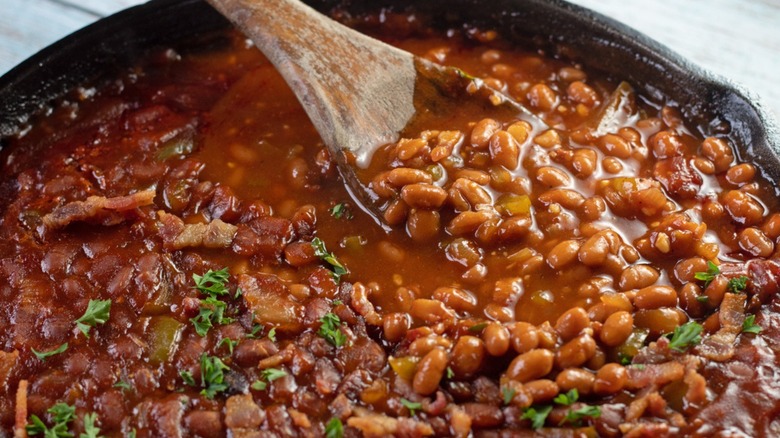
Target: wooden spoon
360,93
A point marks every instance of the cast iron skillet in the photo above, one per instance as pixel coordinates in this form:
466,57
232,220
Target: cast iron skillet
715,106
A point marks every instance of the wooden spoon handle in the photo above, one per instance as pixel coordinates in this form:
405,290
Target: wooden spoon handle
343,91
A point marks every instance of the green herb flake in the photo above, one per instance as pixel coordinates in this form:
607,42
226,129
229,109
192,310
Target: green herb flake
707,277
212,375
477,328
750,326
90,429
271,374
567,399
62,414
341,210
212,283
737,285
43,355
703,298
337,269
337,303
450,373
97,313
187,377
412,406
575,416
256,330
124,386
507,394
131,434
537,415
272,334
685,336
259,385
624,359
330,330
334,428
230,343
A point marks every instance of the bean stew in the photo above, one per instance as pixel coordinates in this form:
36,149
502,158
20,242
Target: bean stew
181,258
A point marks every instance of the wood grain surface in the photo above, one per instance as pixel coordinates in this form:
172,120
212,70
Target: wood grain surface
738,39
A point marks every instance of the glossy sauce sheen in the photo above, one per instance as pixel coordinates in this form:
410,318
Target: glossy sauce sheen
596,230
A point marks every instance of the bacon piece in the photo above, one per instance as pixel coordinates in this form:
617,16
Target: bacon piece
20,427
7,364
720,346
96,208
373,425
654,374
177,235
242,415
678,177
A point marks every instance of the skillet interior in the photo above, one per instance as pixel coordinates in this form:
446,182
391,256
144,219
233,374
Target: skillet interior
556,26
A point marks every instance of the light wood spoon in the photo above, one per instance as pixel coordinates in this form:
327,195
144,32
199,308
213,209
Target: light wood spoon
360,93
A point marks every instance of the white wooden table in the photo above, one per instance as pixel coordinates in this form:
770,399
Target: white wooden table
739,39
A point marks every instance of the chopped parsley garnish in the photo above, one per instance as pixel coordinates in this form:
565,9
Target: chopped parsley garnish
712,272
334,428
450,373
337,303
122,385
212,310
412,406
212,283
702,298
337,269
268,375
737,284
537,415
272,334
750,326
477,328
231,344
62,414
685,336
256,330
567,399
575,416
131,434
624,359
97,313
341,210
42,355
507,394
212,376
90,430
272,374
330,330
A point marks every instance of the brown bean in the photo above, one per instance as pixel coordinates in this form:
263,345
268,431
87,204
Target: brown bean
496,338
614,145
617,328
575,352
524,337
594,251
429,372
610,379
659,321
719,152
520,131
482,131
741,174
685,270
548,139
470,192
423,225
552,177
755,242
654,297
395,326
467,356
542,97
468,222
771,226
404,176
421,195
531,365
542,390
743,208
666,144
423,345
563,253
637,277
570,199
430,310
396,212
584,162
582,93
408,148
457,299
571,323
504,150
575,378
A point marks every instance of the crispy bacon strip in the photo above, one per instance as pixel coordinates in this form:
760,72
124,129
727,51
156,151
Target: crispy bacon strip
95,207
20,428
